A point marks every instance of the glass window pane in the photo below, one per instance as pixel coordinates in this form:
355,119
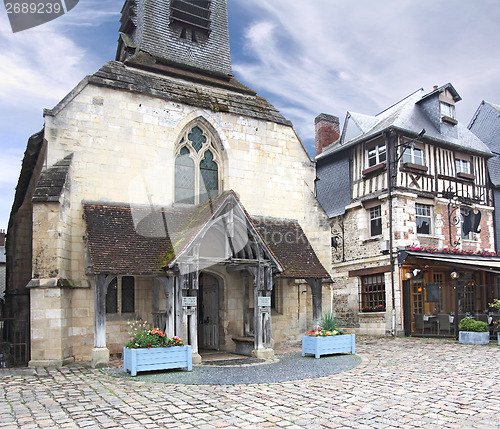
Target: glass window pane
112,298
128,295
209,177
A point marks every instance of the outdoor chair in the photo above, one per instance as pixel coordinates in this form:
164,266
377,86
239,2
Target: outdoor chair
420,323
444,323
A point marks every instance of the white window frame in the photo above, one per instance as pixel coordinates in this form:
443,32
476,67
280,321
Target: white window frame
463,166
424,211
411,156
374,214
380,154
447,109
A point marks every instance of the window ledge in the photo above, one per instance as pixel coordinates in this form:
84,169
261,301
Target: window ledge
374,238
374,169
415,167
372,313
466,176
451,121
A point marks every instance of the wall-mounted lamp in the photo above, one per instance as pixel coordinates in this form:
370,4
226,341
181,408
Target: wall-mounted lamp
416,272
408,275
454,275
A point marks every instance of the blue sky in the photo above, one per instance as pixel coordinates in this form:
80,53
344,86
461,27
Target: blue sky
305,56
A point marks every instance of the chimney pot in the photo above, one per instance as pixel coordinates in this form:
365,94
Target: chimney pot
327,129
435,87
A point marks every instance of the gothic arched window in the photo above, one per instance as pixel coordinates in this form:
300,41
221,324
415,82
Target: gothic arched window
197,167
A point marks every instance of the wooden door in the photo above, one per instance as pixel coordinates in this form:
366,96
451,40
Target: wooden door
209,312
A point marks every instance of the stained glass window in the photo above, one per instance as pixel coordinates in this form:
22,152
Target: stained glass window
209,181
197,168
197,138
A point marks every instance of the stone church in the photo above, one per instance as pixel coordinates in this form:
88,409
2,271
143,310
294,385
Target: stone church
162,189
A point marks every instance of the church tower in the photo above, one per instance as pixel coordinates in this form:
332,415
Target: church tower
188,34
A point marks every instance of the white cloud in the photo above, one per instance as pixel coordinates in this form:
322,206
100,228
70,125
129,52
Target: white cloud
333,56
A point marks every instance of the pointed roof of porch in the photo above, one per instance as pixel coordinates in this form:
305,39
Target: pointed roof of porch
147,241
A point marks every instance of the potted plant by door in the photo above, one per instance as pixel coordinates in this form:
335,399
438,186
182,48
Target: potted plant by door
149,349
473,332
496,305
326,338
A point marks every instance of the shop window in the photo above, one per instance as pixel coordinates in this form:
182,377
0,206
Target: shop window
423,218
373,293
375,221
121,295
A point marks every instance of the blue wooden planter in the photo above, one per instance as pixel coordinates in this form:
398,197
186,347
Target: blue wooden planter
318,346
466,337
135,360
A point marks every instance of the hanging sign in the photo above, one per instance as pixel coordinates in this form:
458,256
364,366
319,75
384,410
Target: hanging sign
264,301
189,301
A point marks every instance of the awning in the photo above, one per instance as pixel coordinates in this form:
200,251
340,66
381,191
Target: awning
489,264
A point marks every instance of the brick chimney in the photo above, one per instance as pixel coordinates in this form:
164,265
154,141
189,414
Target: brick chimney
327,131
2,237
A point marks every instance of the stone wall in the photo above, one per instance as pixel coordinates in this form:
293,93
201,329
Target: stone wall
356,250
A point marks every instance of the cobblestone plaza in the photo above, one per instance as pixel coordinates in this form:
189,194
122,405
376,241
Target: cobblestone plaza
399,383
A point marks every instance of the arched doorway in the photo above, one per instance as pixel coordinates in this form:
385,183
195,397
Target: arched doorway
208,312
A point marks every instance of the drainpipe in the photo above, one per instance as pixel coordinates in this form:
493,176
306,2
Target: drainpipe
389,139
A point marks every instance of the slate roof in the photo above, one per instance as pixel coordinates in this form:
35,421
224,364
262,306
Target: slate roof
212,94
407,116
127,240
52,181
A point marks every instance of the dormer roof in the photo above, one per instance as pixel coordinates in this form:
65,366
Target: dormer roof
408,117
438,90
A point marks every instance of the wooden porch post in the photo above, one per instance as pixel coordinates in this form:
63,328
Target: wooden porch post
168,284
100,353
317,295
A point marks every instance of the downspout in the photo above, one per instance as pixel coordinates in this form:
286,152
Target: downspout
389,138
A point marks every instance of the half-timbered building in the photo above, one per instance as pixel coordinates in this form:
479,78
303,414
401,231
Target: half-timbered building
163,189
411,210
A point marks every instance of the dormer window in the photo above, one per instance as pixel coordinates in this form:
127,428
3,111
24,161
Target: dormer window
447,110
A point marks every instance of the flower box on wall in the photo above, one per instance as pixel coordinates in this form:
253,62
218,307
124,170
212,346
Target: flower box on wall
467,337
135,360
328,345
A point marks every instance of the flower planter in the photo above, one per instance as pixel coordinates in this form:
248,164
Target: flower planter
328,345
466,337
135,360
498,338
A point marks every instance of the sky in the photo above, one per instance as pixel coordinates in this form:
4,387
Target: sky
306,57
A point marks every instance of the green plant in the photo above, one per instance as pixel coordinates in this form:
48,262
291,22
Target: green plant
142,336
495,304
472,325
329,322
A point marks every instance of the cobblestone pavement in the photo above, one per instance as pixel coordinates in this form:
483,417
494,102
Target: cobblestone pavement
403,383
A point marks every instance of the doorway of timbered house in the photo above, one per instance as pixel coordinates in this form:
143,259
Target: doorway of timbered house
208,312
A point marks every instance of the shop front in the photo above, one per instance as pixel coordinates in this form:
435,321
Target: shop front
441,289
